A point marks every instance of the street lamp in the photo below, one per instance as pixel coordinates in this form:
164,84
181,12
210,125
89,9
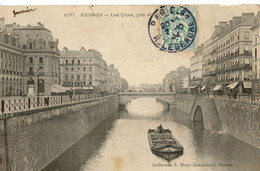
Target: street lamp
72,79
38,81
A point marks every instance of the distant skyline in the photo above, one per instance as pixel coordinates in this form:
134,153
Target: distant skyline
123,41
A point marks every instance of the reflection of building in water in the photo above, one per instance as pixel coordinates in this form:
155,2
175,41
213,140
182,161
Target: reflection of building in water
27,51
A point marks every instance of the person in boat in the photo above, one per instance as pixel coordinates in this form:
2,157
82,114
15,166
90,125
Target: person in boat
160,128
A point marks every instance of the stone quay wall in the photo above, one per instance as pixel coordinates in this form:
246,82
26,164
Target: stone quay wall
30,140
240,119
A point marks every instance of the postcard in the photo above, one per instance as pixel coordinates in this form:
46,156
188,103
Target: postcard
130,87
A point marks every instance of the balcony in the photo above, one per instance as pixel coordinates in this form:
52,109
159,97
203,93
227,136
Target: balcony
233,67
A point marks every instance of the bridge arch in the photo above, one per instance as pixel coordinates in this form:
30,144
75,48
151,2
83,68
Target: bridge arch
198,115
125,98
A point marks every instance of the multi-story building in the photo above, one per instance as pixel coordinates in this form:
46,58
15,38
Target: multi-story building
182,79
255,54
227,55
114,79
83,69
29,55
196,68
169,82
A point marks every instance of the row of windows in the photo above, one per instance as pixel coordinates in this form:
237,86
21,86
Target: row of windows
78,77
78,68
9,67
10,56
69,83
31,60
72,62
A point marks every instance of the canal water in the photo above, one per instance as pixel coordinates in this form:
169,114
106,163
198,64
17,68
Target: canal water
122,144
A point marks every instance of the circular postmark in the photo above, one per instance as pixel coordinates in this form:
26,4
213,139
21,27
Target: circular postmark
172,28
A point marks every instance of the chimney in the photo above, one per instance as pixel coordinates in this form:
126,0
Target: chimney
2,24
82,50
230,24
236,21
65,50
40,24
222,25
246,16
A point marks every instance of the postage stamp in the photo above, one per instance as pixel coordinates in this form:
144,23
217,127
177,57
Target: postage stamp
173,28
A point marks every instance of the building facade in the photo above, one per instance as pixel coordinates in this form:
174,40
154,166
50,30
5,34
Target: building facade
255,54
169,82
114,79
196,68
227,55
83,69
29,55
182,79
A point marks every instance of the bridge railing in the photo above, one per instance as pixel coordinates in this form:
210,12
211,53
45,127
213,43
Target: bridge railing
27,103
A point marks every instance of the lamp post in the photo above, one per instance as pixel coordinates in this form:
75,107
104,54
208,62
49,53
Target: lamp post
73,87
38,81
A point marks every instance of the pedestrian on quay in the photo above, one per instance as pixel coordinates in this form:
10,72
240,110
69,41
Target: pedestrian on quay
70,94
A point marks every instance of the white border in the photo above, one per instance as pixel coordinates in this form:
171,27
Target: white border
122,2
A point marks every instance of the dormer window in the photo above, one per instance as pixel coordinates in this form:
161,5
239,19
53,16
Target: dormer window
41,44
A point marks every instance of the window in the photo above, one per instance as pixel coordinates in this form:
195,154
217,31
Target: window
78,62
246,35
255,38
90,77
31,60
78,68
41,68
72,62
72,68
84,68
30,70
72,77
31,45
255,54
66,77
246,47
84,77
90,68
90,83
40,60
78,77
67,69
67,62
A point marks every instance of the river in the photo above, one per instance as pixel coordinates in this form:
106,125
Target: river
122,144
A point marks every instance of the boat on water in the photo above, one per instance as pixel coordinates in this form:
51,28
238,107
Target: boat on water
163,143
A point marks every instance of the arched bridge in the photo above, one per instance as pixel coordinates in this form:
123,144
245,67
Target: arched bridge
126,97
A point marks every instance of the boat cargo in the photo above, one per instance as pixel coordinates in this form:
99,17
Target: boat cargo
163,143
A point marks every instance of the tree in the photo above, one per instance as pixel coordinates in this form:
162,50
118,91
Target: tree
124,84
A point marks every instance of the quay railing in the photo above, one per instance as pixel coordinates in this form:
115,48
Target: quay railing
27,103
237,97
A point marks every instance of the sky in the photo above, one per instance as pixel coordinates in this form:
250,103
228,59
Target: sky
123,41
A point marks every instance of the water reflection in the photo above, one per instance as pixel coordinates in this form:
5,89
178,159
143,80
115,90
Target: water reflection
122,144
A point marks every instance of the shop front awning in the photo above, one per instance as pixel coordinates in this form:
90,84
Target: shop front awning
203,87
233,85
228,86
247,84
88,88
217,87
55,88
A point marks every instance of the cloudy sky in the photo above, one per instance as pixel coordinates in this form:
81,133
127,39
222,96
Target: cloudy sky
123,41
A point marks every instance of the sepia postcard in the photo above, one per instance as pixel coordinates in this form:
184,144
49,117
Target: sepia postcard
130,88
